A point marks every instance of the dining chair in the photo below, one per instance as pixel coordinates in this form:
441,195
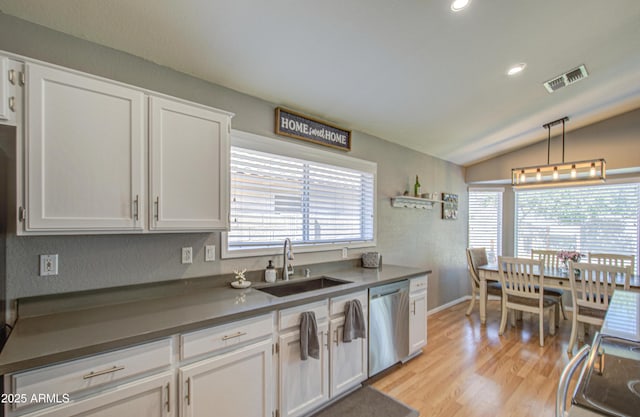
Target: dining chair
477,257
592,286
550,260
614,259
523,290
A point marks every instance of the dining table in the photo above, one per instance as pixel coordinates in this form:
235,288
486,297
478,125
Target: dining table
553,278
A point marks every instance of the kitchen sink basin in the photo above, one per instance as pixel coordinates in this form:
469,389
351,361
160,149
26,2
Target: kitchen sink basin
303,285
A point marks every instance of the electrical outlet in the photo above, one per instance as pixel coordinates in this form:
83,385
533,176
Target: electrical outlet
345,253
48,265
209,253
187,255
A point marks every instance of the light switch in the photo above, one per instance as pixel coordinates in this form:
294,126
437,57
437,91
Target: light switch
187,255
48,265
209,253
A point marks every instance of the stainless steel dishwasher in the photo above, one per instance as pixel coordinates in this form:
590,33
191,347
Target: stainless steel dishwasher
388,325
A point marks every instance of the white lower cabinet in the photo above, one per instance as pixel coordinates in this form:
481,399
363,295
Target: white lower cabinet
148,397
234,384
303,385
347,361
417,314
307,385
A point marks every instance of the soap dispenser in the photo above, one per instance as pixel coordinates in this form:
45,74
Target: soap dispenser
270,273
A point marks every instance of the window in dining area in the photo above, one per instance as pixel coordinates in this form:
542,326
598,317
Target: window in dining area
602,218
485,221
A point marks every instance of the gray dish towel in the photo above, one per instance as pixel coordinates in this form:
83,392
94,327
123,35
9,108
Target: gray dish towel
354,323
309,344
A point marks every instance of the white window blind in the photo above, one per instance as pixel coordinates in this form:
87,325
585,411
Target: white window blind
485,221
274,197
587,219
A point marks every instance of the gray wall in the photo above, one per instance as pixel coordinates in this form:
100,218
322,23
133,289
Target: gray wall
616,139
405,236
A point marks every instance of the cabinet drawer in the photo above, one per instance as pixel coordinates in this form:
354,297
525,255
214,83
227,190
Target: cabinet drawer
418,283
336,304
94,371
291,316
209,340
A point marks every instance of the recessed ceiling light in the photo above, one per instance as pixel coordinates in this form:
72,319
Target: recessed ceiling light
516,69
458,5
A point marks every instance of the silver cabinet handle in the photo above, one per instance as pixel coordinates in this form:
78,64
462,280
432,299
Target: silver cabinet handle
188,396
103,372
135,208
157,204
12,77
336,336
233,336
12,104
168,403
567,373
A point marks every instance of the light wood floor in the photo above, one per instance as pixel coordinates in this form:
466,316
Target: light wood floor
467,370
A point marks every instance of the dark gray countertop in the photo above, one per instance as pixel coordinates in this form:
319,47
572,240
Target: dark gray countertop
58,336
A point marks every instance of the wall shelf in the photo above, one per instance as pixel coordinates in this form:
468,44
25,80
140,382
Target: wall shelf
413,202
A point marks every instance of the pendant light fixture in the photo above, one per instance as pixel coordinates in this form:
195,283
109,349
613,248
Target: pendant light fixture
564,174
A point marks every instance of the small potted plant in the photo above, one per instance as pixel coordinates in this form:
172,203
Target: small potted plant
566,256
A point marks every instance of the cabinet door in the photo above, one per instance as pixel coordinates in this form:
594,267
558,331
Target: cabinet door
85,153
235,384
189,164
304,385
149,397
4,89
348,361
417,321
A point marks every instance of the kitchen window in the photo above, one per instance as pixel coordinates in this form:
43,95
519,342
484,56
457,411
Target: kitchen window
319,199
485,221
602,218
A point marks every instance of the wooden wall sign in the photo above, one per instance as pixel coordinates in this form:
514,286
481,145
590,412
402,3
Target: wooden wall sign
295,125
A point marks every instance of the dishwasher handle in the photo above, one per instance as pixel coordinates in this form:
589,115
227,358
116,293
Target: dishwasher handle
374,296
567,374
388,289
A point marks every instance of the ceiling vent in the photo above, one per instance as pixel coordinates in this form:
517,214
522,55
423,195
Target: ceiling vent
566,79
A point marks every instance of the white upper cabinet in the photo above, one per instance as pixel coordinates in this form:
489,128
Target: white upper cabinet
9,82
4,88
188,166
85,142
96,156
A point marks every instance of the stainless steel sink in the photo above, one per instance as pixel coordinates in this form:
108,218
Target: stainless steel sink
300,286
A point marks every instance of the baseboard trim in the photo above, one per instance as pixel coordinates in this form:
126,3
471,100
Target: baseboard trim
449,304
458,301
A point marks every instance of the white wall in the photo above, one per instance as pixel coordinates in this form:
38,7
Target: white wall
407,237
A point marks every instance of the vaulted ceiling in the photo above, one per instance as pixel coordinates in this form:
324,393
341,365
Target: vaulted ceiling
410,72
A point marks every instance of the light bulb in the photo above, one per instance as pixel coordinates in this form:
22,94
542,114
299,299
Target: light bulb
538,175
555,173
573,171
523,178
592,171
458,5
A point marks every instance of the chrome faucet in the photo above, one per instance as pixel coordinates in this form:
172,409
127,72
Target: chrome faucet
287,256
